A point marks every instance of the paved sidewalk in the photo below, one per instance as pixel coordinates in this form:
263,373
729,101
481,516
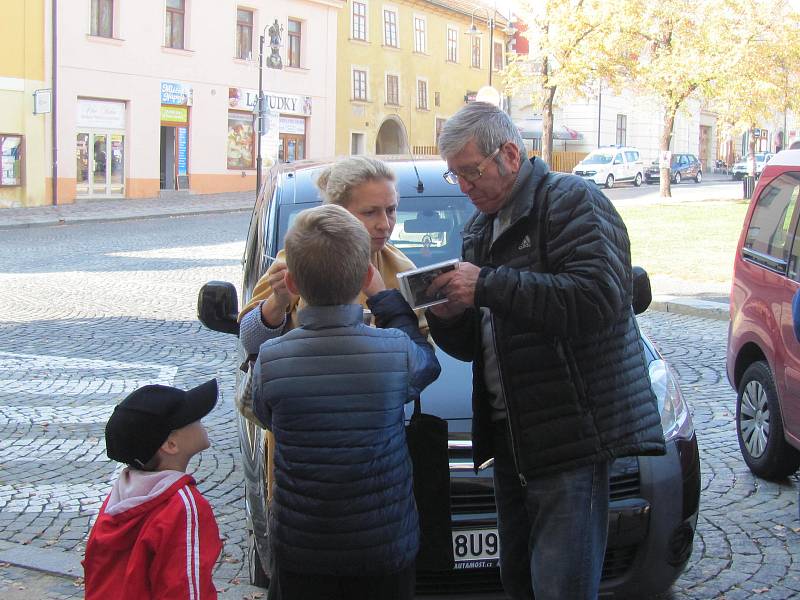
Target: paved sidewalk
88,211
92,211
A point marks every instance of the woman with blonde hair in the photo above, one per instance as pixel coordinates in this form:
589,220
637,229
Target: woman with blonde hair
365,187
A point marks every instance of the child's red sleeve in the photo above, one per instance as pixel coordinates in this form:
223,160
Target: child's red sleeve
187,550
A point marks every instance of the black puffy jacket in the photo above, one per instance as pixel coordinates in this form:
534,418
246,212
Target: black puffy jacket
558,283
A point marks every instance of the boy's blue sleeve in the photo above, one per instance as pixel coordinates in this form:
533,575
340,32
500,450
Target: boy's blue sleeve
390,309
260,406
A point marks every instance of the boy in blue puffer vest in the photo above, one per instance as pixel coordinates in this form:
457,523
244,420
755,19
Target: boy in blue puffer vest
343,521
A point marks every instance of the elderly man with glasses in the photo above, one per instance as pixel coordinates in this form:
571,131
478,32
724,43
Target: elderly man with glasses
541,305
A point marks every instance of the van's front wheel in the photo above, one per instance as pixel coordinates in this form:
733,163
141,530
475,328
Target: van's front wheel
610,181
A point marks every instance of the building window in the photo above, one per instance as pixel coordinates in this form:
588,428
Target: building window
392,89
10,160
360,21
422,94
176,14
622,127
359,84
452,45
358,143
241,138
244,33
420,37
390,28
476,52
102,18
294,43
498,57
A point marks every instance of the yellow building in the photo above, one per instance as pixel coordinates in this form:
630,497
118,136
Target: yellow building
23,163
406,66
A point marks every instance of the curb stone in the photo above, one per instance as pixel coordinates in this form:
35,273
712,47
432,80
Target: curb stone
691,306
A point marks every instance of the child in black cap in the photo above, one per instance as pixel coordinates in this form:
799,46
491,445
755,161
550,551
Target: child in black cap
155,536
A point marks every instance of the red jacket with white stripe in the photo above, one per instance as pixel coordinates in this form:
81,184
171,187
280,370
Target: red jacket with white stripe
155,538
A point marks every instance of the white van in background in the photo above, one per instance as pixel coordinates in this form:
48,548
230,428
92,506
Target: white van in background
611,164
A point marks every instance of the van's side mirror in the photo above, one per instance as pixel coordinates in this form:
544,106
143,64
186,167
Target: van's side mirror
642,294
796,314
218,307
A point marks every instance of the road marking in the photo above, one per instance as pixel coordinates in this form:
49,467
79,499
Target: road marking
55,414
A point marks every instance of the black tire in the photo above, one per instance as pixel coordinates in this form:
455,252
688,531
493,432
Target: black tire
258,577
677,178
610,181
759,426
699,177
638,180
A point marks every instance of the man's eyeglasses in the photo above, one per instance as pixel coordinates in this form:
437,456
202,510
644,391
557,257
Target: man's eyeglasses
469,174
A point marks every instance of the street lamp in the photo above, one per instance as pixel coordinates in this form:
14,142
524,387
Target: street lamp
275,62
473,31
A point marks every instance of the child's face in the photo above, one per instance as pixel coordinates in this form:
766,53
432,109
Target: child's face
191,439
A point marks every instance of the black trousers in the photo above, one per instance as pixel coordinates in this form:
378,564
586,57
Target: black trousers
307,586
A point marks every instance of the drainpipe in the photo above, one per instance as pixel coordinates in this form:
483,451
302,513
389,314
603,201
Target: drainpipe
54,107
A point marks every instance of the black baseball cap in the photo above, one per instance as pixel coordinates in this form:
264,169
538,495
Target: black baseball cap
143,421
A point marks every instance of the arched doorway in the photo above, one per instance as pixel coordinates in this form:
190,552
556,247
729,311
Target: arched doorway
391,137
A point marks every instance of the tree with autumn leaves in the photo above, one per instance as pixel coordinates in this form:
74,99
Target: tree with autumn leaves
742,58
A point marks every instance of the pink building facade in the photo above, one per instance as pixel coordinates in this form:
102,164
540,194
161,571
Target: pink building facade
159,97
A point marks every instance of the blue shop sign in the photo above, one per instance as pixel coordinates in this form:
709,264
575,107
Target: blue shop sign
182,144
175,93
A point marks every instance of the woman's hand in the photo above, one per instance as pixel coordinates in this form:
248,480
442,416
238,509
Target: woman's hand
375,283
277,281
273,309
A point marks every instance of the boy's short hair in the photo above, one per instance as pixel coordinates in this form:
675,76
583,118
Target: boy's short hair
145,418
327,252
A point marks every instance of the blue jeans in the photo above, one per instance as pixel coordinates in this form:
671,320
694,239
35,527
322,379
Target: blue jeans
553,532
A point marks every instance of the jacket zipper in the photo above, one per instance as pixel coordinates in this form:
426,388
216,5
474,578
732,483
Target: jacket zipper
522,481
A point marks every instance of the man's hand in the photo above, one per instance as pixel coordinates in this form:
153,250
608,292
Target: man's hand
459,287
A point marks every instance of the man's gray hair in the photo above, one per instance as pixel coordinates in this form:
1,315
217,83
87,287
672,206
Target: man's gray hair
489,126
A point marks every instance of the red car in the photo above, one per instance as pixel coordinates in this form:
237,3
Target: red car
763,358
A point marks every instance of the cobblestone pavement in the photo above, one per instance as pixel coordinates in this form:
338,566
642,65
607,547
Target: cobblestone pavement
91,311
747,543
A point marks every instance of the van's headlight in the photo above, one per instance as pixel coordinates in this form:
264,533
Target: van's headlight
675,418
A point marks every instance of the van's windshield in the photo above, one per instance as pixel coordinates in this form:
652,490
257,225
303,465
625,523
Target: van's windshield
428,229
598,158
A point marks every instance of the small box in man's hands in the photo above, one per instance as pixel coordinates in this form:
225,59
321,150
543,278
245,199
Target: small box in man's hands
414,284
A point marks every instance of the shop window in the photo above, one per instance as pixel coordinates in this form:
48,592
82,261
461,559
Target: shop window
392,90
176,15
294,42
10,159
390,28
422,94
359,84
420,35
622,129
244,33
102,24
360,21
241,138
476,52
358,143
452,45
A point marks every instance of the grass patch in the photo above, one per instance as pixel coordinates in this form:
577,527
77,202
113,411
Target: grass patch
693,241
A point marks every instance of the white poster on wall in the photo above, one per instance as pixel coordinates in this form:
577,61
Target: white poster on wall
101,114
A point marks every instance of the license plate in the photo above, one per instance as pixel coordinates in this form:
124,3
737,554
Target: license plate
476,548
